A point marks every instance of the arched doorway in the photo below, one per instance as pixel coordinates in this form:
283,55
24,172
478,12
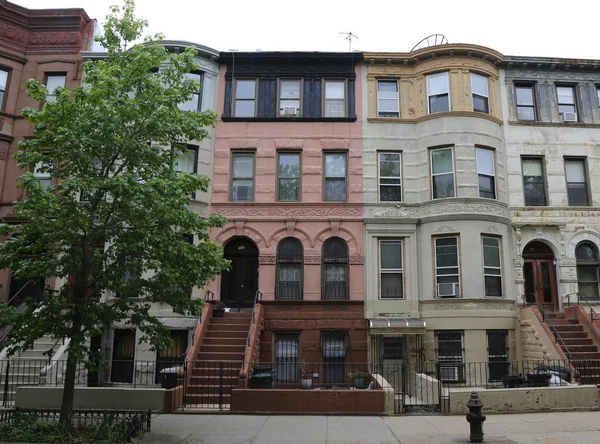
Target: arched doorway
539,272
240,282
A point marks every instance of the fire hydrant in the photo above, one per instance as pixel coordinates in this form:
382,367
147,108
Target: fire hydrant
475,417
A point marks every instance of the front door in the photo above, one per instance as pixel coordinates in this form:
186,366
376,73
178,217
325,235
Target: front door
240,283
540,281
123,354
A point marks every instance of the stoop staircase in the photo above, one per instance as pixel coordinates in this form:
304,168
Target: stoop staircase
216,368
585,356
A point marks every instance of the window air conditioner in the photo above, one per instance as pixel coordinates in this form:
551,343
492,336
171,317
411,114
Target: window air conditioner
447,290
290,111
569,117
448,373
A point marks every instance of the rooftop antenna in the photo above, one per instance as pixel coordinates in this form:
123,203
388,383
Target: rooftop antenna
349,37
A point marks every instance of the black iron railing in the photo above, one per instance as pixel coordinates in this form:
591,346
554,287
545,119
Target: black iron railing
334,290
257,299
586,302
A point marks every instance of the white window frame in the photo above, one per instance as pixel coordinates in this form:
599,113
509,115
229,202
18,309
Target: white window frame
235,99
441,174
42,176
447,74
279,98
325,99
391,270
50,97
499,268
379,176
480,173
486,96
325,177
253,177
573,95
397,99
458,266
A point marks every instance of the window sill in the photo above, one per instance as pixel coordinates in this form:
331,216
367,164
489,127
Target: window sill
435,116
288,119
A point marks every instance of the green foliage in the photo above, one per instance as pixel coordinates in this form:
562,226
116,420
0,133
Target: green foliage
360,374
112,138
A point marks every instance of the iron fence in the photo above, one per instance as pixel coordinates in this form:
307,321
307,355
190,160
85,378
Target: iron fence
208,384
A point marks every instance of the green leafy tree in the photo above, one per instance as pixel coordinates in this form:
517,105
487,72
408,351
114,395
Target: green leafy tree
125,247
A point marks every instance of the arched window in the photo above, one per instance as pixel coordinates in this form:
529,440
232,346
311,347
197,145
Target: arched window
334,269
289,269
587,270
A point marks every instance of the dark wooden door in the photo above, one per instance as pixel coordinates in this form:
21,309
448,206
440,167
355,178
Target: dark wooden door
123,354
540,279
240,283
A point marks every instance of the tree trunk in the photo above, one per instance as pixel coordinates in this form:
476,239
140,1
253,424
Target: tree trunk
66,408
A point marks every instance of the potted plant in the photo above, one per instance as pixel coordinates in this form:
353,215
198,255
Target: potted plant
219,310
361,379
305,375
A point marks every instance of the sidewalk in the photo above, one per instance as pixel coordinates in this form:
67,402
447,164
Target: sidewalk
539,428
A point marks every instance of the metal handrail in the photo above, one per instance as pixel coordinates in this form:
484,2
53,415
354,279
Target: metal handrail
50,351
257,297
19,292
199,319
557,336
587,304
4,334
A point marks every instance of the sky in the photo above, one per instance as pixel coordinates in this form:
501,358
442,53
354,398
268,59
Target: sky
543,28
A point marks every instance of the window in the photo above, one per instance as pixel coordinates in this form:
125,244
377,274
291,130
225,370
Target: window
388,104
335,176
442,173
172,356
334,347
525,102
242,182
391,276
286,358
492,266
450,355
587,270
447,277
42,176
534,187
598,94
566,101
335,98
3,85
390,177
486,173
289,177
187,161
245,98
479,90
334,269
438,92
497,341
195,102
577,189
122,356
54,81
289,98
289,269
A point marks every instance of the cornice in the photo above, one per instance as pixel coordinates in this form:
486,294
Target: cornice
432,52
437,116
551,63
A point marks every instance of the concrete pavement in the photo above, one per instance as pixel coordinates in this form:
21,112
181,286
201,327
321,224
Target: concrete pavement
538,428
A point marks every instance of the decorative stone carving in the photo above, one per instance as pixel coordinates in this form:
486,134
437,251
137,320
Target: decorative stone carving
3,151
437,209
290,225
561,76
312,259
449,305
335,226
13,33
492,229
393,315
239,227
282,212
54,38
357,259
1,124
445,229
266,259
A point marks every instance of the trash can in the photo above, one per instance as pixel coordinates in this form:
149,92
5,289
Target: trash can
263,378
541,379
168,377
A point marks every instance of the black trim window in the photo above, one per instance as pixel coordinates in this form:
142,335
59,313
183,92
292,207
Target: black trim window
187,161
289,269
390,176
498,364
195,102
577,188
173,355
479,90
245,98
287,358
335,176
438,92
388,103
598,94
534,181
54,81
447,276
492,266
486,173
442,172
566,102
290,98
588,270
335,98
3,86
334,346
391,274
334,269
450,355
242,177
525,102
288,185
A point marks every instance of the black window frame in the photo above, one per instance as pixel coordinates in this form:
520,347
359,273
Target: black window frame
390,179
589,264
235,98
290,253
449,356
543,182
480,174
334,366
531,87
198,93
333,256
4,88
497,351
586,182
574,105
287,368
487,268
173,355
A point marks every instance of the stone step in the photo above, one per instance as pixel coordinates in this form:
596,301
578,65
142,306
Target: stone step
581,348
210,388
577,341
228,327
219,356
563,321
235,314
216,340
585,355
220,321
200,399
210,334
569,328
217,348
573,335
